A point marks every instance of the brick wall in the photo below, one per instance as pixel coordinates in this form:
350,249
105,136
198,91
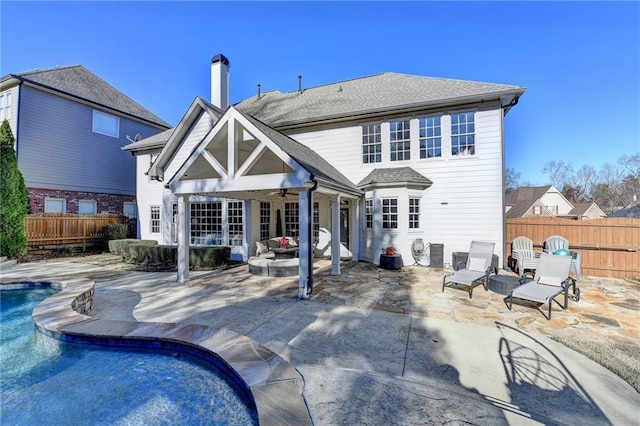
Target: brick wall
110,203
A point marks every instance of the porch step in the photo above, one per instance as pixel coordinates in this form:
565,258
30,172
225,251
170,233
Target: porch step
6,263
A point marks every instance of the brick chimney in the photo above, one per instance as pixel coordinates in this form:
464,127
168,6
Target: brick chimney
220,81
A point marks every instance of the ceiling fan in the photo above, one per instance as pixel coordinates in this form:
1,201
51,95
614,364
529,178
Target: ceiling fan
283,193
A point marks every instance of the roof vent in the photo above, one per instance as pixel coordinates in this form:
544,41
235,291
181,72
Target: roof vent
300,84
259,91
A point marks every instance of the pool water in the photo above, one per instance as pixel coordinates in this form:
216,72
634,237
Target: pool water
45,381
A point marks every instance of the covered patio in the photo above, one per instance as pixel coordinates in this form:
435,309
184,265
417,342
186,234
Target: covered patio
244,160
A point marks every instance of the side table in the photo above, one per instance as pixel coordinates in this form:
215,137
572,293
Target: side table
390,261
503,284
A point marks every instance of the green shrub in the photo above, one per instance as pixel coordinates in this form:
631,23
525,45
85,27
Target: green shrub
138,253
199,257
13,197
114,231
122,246
209,257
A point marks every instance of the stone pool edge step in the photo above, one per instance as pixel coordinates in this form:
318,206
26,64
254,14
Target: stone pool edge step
276,387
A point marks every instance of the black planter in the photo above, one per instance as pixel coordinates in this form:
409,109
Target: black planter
390,261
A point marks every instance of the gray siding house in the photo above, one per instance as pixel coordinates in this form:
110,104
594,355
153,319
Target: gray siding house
69,125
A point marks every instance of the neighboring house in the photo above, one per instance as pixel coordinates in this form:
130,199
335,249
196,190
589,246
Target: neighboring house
631,212
69,126
547,201
379,161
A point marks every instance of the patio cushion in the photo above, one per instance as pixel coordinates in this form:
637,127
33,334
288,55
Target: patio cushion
476,264
553,281
261,248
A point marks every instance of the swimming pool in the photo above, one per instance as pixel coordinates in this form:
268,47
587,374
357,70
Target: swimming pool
46,381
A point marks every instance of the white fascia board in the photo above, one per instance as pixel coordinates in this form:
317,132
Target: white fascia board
174,142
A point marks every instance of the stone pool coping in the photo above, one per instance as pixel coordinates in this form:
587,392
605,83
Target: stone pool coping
271,382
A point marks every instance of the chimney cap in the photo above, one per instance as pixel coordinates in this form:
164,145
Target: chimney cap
220,58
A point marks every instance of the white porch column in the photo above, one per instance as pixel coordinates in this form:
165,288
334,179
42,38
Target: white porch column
304,240
183,239
335,235
355,230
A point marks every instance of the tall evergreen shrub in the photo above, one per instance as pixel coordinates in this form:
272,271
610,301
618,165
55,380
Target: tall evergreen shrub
13,197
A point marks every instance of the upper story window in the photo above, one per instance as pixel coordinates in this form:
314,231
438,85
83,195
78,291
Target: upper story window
371,143
368,214
5,106
430,137
463,134
106,124
414,213
537,210
389,213
400,140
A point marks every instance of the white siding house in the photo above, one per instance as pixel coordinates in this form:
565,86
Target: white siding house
379,160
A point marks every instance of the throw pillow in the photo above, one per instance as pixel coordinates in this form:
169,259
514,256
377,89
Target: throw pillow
261,248
476,264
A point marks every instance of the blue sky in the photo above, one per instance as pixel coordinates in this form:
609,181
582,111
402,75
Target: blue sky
580,61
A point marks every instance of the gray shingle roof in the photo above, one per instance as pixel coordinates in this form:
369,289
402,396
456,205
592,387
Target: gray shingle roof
159,140
79,82
400,176
156,141
304,156
377,93
522,199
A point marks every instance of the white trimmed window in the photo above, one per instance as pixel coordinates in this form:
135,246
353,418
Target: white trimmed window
371,143
316,221
5,106
154,219
265,220
389,213
291,220
234,220
206,224
174,222
55,205
368,214
463,134
537,209
87,207
414,213
129,209
106,124
400,140
430,137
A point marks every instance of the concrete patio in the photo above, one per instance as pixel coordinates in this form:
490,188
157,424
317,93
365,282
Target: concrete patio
388,347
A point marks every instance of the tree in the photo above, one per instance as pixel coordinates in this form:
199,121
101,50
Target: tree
511,179
13,197
559,172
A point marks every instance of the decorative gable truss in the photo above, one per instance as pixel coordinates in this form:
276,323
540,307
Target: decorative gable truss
237,160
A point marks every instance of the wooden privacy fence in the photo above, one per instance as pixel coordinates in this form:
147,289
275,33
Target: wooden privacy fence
51,229
610,247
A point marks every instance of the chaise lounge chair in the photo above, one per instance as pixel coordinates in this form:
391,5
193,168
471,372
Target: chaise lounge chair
476,270
550,280
557,242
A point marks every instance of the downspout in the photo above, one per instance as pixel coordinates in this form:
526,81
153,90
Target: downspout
505,109
17,135
310,253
